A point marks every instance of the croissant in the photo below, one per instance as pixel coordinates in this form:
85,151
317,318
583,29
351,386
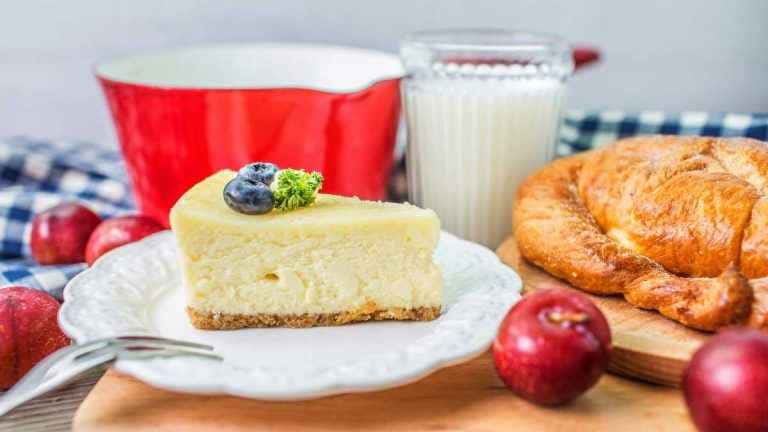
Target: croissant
674,224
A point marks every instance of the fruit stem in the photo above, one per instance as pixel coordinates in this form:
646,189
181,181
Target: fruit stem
558,317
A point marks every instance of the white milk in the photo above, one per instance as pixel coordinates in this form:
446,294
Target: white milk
471,142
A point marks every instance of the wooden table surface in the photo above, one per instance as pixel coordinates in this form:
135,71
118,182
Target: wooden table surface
466,397
52,412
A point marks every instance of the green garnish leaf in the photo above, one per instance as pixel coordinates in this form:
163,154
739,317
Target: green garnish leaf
294,189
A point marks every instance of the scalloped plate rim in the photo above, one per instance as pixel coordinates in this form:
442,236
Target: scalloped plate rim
143,369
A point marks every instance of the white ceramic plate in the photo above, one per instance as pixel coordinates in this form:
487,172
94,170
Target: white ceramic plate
137,289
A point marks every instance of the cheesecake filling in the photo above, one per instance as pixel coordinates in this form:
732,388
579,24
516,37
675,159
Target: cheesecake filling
319,274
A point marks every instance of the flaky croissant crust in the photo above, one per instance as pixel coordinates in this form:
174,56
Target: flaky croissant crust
675,224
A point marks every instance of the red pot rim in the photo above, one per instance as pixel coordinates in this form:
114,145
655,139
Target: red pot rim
370,66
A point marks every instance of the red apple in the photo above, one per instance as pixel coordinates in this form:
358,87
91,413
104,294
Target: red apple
59,234
552,346
726,382
118,231
28,331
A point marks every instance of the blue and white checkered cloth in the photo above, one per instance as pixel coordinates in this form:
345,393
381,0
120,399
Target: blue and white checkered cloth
585,130
35,175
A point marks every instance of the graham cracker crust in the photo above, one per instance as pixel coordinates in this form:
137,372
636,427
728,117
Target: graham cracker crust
369,312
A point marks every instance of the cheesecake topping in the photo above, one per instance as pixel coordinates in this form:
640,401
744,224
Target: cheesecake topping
294,189
259,172
259,187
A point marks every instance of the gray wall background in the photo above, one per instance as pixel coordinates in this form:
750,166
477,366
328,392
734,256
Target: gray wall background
666,55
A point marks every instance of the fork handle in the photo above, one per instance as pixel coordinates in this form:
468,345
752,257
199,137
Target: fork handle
53,372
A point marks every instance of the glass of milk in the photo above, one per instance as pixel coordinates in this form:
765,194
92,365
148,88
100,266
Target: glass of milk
482,111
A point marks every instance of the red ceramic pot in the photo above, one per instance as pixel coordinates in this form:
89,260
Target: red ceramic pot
183,115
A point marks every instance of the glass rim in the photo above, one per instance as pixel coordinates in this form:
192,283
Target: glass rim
485,39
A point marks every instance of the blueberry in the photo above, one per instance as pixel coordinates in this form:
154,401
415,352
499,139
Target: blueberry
248,197
259,172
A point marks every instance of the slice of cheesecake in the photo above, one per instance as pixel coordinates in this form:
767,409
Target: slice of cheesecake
341,260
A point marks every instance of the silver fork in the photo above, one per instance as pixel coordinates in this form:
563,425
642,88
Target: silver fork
67,363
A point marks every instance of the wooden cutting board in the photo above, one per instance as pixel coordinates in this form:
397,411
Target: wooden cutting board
466,397
645,344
